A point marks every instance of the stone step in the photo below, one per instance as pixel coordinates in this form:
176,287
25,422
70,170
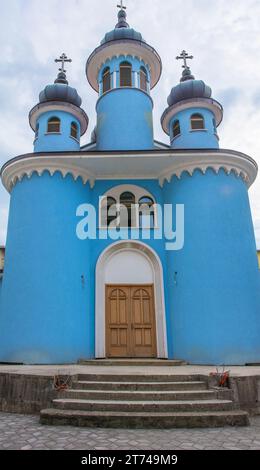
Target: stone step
142,405
139,395
131,362
140,377
160,420
149,386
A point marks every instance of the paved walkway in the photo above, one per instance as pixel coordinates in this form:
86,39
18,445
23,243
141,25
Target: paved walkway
235,371
24,432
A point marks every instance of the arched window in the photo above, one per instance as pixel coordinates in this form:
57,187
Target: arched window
146,212
143,79
106,80
130,206
197,122
37,131
127,217
176,128
125,74
214,125
74,130
106,216
53,126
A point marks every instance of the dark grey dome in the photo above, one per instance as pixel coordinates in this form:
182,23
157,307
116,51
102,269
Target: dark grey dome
189,88
60,91
122,31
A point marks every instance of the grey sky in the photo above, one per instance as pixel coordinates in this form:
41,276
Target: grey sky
222,35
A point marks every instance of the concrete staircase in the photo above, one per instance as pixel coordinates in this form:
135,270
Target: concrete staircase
143,401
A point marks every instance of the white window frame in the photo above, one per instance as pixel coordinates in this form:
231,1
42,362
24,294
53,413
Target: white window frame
138,192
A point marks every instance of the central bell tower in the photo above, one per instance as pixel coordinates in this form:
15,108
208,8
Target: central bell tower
123,70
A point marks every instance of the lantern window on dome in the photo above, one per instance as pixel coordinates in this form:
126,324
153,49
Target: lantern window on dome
143,79
74,130
197,122
125,74
54,126
106,80
176,128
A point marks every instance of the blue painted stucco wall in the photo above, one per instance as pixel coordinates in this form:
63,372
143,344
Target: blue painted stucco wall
44,265
215,302
125,120
211,286
57,142
193,139
45,313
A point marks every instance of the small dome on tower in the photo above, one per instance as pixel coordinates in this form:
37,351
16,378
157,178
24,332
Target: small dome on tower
58,119
123,41
60,91
191,112
122,31
188,88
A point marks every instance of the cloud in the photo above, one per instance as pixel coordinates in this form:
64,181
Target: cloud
222,35
3,222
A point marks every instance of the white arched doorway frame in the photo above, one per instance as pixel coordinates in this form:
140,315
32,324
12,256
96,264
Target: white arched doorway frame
100,307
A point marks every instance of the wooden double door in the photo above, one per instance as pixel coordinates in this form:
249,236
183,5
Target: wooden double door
130,321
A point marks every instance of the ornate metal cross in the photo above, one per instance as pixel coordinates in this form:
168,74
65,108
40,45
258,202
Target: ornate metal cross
63,59
184,56
121,6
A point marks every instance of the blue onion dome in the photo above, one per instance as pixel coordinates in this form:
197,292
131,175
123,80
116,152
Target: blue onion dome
122,31
60,91
188,88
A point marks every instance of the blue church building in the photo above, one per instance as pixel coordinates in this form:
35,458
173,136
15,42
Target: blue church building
92,268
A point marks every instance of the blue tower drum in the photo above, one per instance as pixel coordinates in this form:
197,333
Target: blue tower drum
123,70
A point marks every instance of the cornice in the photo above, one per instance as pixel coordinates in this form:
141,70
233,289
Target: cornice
136,165
17,170
241,165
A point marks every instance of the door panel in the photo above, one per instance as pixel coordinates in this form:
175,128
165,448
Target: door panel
143,324
117,322
130,321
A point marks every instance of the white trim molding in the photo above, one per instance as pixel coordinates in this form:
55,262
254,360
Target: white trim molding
28,167
206,103
100,308
243,168
47,106
159,164
123,47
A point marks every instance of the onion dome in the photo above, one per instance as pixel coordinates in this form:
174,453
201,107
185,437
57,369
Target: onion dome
189,93
60,91
122,31
60,96
123,40
188,88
